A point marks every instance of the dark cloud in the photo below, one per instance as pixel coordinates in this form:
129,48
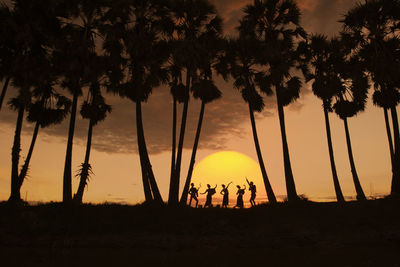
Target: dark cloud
223,119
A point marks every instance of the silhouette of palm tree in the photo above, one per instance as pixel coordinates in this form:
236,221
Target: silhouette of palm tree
242,56
143,55
324,87
32,42
193,19
48,109
81,22
95,110
351,94
372,29
276,24
203,88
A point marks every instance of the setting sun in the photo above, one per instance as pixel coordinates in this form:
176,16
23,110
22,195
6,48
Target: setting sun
229,166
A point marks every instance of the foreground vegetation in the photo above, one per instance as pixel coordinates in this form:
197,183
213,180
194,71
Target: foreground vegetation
313,234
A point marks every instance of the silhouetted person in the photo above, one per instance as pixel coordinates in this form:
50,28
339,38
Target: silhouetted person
225,193
194,193
210,191
240,193
253,190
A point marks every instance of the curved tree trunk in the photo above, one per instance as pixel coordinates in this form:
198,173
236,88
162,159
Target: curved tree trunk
3,92
156,196
140,139
290,185
338,190
193,158
85,166
25,167
395,190
15,193
175,179
268,187
67,182
359,190
173,156
389,135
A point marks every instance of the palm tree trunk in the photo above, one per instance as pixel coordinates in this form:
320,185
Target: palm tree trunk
389,135
156,196
175,179
85,166
268,187
3,92
67,181
173,156
25,167
395,190
140,139
290,185
193,158
359,190
338,190
15,193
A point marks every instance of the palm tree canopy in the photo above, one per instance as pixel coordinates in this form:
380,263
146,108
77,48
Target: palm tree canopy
276,23
49,107
96,108
206,90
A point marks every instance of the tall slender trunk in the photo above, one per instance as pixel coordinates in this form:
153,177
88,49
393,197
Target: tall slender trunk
395,191
3,92
175,179
193,158
173,156
67,182
15,193
268,187
338,190
156,196
25,167
143,164
389,135
85,166
290,185
359,190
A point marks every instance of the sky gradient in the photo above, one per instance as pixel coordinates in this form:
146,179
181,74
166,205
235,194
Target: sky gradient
226,127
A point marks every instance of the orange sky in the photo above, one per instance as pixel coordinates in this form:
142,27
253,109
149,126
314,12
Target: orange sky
226,127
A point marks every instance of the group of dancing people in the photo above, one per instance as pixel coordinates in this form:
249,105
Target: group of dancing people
194,193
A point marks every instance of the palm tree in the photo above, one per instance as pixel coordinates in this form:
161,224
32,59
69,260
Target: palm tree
142,59
95,110
81,23
351,94
277,24
33,41
323,87
193,19
19,103
178,94
48,109
206,91
242,54
372,28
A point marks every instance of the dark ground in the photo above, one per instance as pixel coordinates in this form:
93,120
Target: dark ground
305,234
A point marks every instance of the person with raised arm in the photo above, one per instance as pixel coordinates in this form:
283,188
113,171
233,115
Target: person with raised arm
209,191
225,193
253,190
194,193
240,192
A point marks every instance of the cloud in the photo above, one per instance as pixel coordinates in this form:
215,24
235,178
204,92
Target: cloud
223,119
